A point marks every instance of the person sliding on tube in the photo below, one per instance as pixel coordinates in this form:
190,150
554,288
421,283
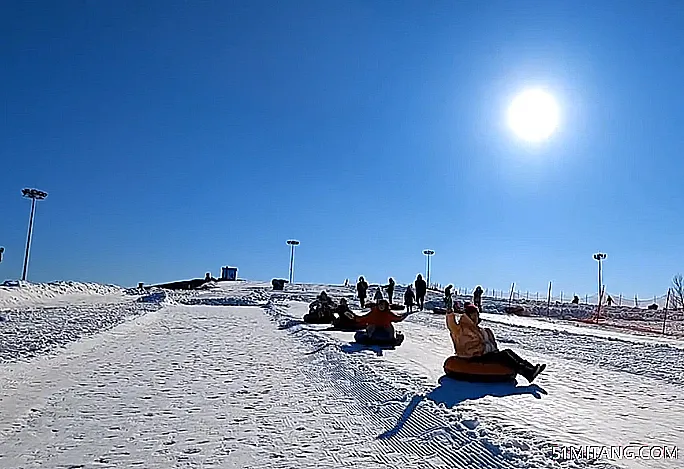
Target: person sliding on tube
379,321
344,318
321,309
478,344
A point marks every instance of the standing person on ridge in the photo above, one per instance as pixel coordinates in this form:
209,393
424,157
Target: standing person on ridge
362,291
421,290
477,297
390,290
378,295
409,299
448,298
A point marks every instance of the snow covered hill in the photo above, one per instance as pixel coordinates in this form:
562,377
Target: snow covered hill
230,377
15,293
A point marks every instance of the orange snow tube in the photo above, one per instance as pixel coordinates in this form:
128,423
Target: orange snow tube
466,370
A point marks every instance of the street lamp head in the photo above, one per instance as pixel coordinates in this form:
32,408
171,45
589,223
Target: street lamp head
33,194
292,242
428,252
599,256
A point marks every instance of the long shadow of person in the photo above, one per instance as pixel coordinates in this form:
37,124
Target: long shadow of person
355,347
451,392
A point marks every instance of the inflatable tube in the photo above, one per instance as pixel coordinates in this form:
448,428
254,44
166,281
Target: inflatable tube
466,370
313,318
347,326
362,338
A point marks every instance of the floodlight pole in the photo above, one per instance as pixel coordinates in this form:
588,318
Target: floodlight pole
599,256
292,243
428,253
33,194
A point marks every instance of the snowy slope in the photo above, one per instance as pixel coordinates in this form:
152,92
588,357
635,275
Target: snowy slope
39,318
199,382
26,293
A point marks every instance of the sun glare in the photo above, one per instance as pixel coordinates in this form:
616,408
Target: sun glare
533,115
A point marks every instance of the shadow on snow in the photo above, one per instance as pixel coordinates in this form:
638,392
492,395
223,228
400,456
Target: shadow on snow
451,392
355,347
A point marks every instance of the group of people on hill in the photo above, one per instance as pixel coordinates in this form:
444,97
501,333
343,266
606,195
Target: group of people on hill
470,341
411,297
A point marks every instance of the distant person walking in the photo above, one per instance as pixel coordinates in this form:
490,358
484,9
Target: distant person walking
362,291
477,297
421,290
448,298
409,299
390,290
610,300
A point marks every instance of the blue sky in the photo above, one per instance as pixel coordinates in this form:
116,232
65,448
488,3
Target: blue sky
175,137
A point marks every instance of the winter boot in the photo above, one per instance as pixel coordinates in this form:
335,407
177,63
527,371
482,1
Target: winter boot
530,374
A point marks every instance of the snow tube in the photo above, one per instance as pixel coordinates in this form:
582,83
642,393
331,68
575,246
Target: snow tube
362,338
346,326
467,370
394,307
313,318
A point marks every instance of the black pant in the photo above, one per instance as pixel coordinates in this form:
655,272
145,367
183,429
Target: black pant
362,300
390,294
420,301
507,358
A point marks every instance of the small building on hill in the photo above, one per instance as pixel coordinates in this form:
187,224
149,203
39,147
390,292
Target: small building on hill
229,273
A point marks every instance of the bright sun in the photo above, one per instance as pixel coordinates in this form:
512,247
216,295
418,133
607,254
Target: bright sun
533,115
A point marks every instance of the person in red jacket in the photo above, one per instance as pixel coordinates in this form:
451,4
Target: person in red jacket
379,320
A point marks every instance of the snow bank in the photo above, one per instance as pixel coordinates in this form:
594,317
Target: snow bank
17,293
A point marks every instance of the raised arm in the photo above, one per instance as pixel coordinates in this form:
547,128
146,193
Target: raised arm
451,323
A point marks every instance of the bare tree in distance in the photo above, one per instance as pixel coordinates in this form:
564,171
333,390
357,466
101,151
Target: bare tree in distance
678,291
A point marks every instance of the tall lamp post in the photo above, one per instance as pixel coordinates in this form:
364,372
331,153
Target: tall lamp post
428,253
33,194
599,256
292,243
2,250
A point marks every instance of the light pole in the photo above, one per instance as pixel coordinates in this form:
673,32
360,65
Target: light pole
292,243
2,250
599,256
33,194
428,253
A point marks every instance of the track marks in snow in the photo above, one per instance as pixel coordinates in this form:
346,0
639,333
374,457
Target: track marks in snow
27,332
173,390
403,429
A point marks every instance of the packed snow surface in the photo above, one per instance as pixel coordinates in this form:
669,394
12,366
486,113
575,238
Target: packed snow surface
229,376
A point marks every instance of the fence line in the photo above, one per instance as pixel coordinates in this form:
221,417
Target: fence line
565,296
